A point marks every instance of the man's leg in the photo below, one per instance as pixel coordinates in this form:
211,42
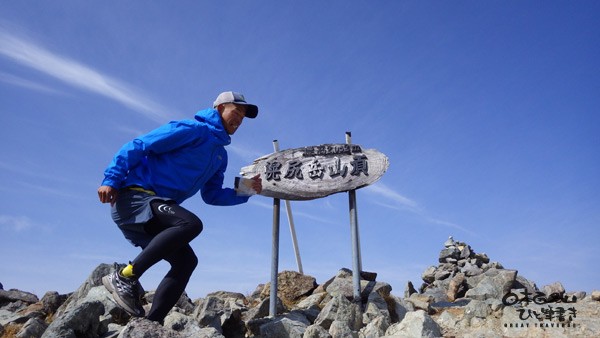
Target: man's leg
173,227
183,262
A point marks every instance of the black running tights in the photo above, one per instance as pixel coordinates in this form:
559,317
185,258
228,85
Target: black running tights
173,228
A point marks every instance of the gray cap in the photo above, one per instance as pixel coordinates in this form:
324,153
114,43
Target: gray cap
237,98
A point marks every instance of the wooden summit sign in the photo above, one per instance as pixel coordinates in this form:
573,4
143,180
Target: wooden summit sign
317,171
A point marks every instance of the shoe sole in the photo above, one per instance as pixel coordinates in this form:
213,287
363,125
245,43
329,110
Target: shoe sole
106,281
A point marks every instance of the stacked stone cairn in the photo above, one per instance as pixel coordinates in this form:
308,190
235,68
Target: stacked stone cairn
460,297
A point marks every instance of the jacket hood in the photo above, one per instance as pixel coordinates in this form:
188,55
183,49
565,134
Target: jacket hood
212,119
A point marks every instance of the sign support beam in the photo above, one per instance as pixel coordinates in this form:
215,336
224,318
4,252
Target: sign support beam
288,209
355,237
274,259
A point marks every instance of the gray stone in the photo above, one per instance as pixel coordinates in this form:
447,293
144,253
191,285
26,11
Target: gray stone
143,328
33,328
450,252
415,324
482,258
492,284
93,280
554,291
397,309
262,310
292,287
596,295
376,328
465,253
409,290
442,274
340,308
428,275
52,300
457,287
222,311
477,308
316,331
17,295
340,329
311,301
421,302
292,325
376,307
80,321
524,283
471,270
188,327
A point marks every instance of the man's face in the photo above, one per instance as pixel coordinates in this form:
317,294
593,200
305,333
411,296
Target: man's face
232,116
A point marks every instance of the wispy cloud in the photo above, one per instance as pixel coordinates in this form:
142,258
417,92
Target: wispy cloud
75,74
387,197
20,82
15,223
398,201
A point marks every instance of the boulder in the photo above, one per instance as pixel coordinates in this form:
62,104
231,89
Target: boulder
415,324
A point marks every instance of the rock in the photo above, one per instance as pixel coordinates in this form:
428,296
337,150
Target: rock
376,307
341,309
457,287
428,275
34,327
449,242
554,291
144,328
415,324
376,328
292,287
316,331
340,329
409,290
51,301
262,310
450,252
223,312
493,284
451,303
421,302
80,321
16,295
292,325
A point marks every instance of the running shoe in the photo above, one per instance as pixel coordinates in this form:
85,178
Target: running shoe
125,291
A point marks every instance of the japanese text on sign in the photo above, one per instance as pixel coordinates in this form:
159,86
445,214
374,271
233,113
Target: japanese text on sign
316,170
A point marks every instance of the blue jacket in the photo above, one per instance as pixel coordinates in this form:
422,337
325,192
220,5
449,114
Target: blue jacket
177,160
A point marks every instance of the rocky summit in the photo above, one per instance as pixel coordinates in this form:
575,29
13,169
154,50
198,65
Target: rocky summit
464,295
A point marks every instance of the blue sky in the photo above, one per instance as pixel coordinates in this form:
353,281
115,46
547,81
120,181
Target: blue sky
488,112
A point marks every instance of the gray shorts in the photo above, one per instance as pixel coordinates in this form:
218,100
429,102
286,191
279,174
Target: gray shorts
131,212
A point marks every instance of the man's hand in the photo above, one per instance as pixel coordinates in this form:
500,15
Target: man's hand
108,194
257,183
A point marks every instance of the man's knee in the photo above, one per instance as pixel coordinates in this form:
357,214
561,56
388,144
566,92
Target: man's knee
184,260
197,225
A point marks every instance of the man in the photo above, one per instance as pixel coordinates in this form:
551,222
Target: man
147,181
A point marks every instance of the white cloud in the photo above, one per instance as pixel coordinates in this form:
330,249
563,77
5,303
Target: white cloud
75,74
399,201
15,223
20,82
391,199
